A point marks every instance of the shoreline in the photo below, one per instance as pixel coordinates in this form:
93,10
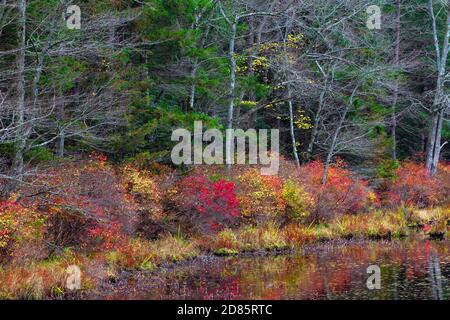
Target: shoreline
142,279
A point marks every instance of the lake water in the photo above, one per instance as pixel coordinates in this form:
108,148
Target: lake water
417,269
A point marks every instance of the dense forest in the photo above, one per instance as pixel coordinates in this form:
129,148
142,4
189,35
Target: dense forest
91,91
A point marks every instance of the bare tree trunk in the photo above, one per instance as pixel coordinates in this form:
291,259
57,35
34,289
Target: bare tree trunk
291,124
437,144
193,70
431,142
195,64
193,75
290,104
25,115
396,62
330,152
20,136
193,86
232,87
437,112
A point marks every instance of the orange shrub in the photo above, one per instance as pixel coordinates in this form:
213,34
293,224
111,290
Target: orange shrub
341,194
413,186
260,196
444,181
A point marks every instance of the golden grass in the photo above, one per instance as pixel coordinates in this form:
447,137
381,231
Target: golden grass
248,238
47,278
146,255
40,280
377,224
374,225
437,218
172,248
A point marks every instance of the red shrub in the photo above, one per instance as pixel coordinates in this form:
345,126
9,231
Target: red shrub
413,186
109,236
341,194
211,205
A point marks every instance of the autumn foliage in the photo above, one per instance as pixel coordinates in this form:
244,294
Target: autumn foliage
299,203
413,186
342,193
210,205
137,215
21,228
260,196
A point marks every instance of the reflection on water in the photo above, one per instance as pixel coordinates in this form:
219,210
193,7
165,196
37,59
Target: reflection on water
409,270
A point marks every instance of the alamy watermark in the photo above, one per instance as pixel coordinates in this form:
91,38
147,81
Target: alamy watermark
235,139
374,20
73,281
73,17
374,280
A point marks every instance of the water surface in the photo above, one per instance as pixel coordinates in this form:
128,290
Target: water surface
409,270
